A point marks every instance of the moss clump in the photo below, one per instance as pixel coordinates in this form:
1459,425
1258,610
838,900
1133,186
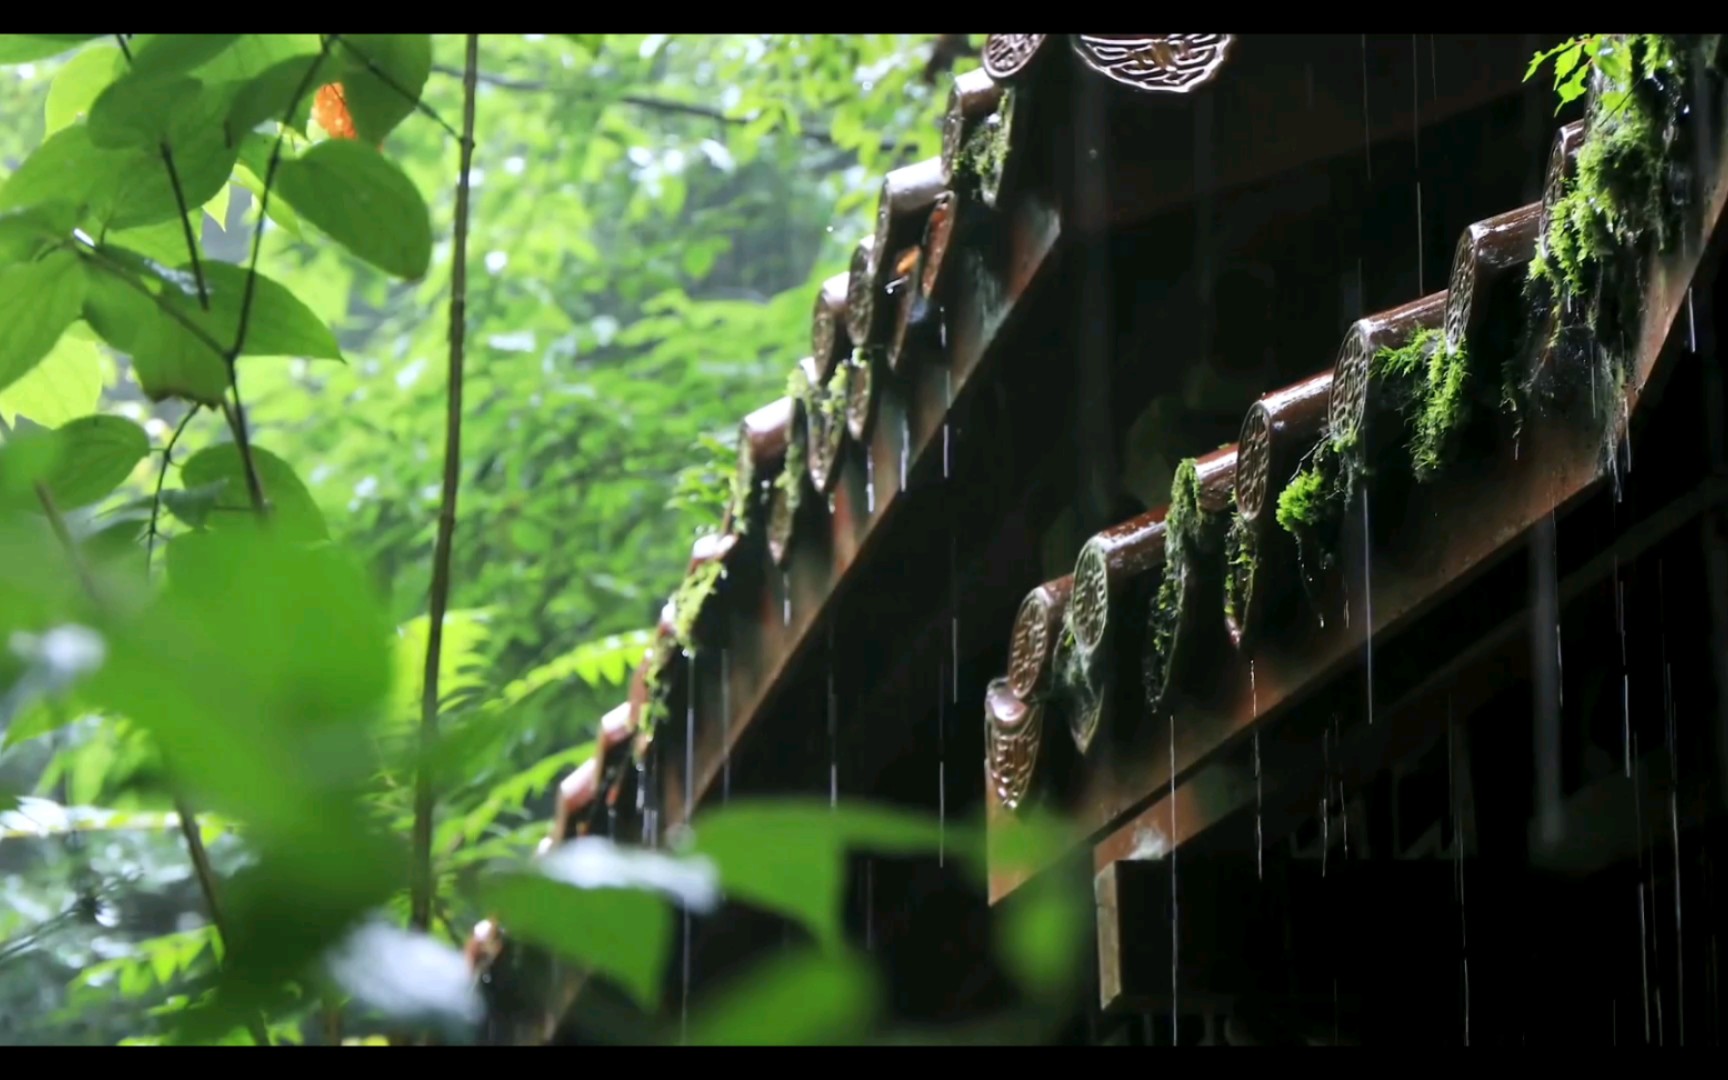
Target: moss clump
791,478
1191,535
986,150
1311,506
687,603
1623,201
743,487
1241,562
1430,382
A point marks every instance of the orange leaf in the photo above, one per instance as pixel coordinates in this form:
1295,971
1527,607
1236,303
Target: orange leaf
331,110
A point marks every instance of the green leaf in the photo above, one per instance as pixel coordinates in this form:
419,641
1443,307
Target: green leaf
38,301
623,933
217,207
175,53
67,168
383,76
203,162
179,348
267,95
23,48
293,513
253,54
66,384
141,109
96,455
77,84
163,243
807,999
193,505
277,210
364,202
279,325
26,233
789,856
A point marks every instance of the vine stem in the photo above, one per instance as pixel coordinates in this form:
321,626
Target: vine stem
420,887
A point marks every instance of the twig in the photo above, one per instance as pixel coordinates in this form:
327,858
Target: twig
237,412
421,887
179,200
161,476
401,91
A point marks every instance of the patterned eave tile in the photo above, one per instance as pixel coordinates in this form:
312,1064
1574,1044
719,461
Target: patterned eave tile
1188,627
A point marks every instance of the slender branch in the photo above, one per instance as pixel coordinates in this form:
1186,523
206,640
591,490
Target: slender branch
186,225
235,414
421,887
819,136
156,497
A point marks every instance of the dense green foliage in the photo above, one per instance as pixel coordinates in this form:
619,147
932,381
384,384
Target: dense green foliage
222,381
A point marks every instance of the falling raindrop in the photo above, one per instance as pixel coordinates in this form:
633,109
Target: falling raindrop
1691,324
1259,833
941,770
833,729
905,448
725,725
1367,127
1368,602
869,482
832,502
942,325
870,906
786,604
1174,940
1644,961
944,449
1626,718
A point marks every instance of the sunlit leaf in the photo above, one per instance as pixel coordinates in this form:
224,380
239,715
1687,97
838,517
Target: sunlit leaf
66,384
23,48
363,202
292,511
38,301
77,84
382,77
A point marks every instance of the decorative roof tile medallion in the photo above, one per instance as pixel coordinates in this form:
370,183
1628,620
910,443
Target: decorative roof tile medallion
1161,63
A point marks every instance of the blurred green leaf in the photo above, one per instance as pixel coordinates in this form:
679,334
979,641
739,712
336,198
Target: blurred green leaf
38,301
95,454
807,999
293,513
364,203
789,855
623,933
382,77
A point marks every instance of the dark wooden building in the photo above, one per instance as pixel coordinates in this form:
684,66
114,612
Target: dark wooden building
1295,463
